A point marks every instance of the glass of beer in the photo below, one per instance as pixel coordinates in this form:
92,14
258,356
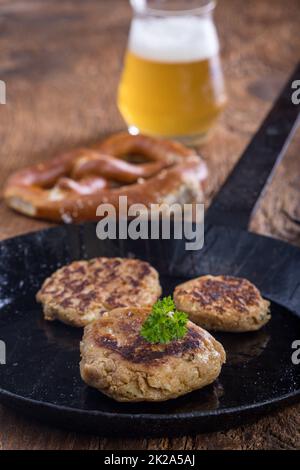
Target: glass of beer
172,82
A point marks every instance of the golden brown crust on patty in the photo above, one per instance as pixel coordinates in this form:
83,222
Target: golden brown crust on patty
82,291
223,303
119,362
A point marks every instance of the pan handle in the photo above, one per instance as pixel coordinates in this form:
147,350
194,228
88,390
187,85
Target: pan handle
238,198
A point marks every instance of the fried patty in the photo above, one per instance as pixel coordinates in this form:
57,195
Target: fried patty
223,303
119,362
82,291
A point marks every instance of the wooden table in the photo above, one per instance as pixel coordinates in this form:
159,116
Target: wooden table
61,61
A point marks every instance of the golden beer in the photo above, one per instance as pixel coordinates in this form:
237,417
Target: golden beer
172,82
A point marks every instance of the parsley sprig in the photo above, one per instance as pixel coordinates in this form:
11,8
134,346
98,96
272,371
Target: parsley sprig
165,323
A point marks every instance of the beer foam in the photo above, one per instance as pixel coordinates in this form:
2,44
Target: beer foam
174,39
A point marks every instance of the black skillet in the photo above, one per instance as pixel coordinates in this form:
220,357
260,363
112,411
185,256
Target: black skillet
41,376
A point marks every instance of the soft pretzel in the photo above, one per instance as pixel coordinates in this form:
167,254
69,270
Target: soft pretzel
72,185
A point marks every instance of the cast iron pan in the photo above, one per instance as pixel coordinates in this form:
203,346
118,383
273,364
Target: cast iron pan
41,375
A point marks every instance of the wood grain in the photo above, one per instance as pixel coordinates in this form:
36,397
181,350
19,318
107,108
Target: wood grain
61,61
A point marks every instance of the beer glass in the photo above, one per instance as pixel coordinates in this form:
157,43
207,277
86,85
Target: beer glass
172,82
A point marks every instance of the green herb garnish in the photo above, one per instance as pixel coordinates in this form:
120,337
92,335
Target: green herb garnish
165,323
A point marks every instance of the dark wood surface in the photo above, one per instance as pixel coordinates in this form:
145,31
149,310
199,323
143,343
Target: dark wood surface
61,62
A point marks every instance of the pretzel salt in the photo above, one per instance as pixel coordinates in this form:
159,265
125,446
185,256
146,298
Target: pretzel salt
71,186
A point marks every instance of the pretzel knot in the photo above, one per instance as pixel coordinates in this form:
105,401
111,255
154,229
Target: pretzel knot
71,186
